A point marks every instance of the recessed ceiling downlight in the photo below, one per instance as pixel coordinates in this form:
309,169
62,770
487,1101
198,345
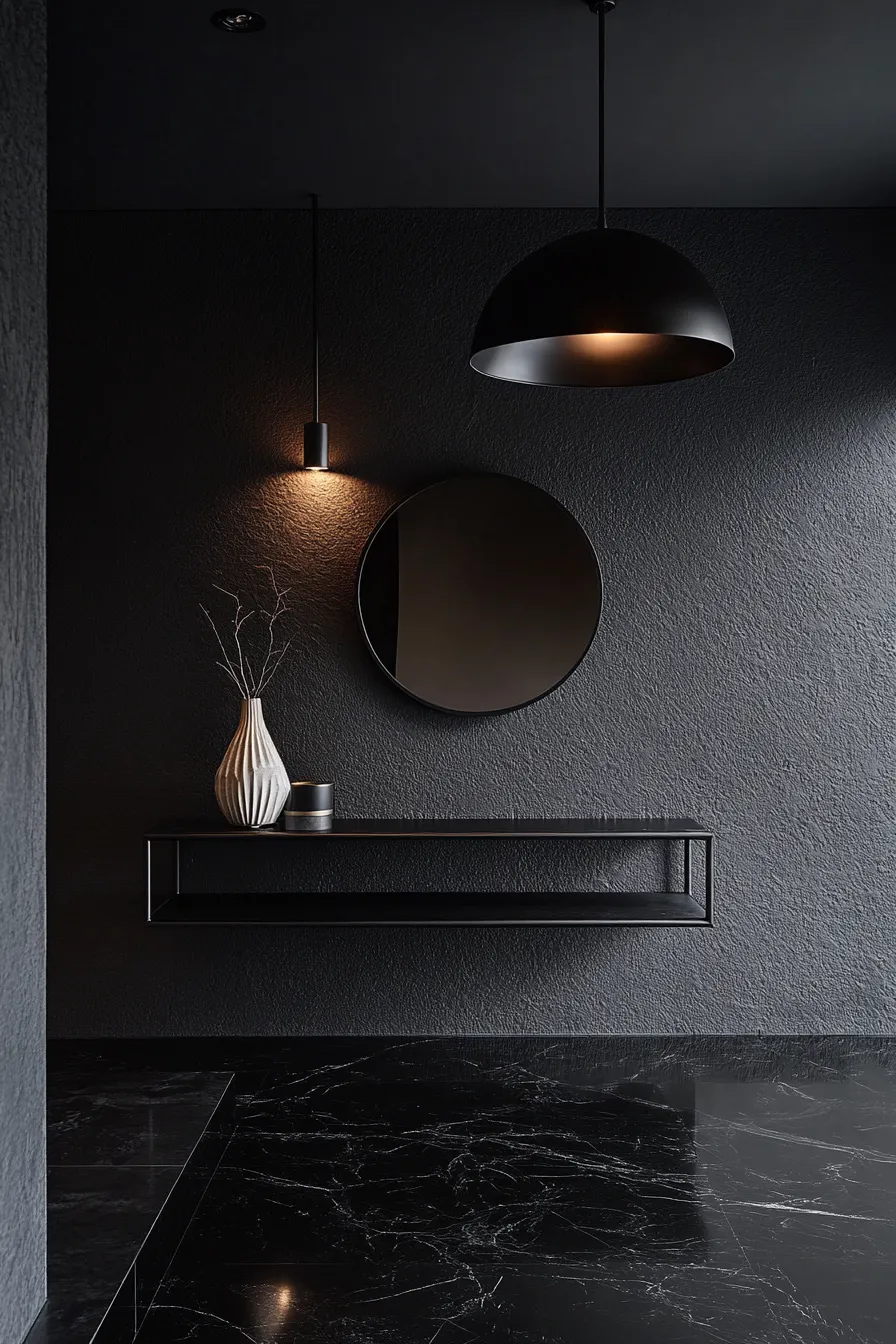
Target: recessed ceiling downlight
238,21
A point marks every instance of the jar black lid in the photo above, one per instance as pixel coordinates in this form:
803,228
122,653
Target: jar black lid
308,797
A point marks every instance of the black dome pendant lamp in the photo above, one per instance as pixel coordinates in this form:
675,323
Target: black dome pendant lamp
603,308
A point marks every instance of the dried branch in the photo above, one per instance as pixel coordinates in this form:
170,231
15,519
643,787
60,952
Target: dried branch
238,665
230,674
273,616
239,620
241,685
279,660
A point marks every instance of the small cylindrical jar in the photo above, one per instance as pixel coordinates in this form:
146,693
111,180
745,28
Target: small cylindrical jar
310,807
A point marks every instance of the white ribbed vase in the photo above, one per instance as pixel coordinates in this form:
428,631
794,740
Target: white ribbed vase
252,785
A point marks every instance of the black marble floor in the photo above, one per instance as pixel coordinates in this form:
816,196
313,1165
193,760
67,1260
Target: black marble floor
548,1192
117,1141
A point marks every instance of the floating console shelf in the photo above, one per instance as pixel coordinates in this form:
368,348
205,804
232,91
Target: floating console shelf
169,904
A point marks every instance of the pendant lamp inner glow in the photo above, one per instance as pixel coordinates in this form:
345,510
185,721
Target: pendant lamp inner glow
602,308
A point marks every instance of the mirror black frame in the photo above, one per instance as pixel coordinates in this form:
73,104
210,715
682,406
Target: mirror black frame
389,514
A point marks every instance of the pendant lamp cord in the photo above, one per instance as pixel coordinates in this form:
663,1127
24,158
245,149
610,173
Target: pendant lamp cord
315,317
601,79
601,8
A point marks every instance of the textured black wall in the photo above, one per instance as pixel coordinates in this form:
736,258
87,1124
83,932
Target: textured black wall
23,442
741,673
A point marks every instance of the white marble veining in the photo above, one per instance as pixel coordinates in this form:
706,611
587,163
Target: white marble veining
448,1193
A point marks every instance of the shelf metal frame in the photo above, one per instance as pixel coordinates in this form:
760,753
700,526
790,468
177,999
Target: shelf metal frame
168,904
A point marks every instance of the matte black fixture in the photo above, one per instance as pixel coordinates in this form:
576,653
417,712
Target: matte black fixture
602,308
310,807
238,21
316,453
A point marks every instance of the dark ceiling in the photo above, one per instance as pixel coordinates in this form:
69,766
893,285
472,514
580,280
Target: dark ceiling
472,103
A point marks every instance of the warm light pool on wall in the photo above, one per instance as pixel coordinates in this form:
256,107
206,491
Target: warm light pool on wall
316,456
603,308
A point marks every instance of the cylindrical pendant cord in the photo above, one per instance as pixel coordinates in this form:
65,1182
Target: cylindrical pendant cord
315,321
601,71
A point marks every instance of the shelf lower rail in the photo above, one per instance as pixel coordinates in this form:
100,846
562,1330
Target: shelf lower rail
169,904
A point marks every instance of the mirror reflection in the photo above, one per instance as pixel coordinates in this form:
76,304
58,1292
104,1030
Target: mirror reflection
479,594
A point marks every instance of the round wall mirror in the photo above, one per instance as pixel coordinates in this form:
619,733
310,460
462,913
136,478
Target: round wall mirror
479,594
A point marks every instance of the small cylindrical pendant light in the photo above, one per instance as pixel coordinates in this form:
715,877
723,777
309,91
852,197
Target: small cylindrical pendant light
316,454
